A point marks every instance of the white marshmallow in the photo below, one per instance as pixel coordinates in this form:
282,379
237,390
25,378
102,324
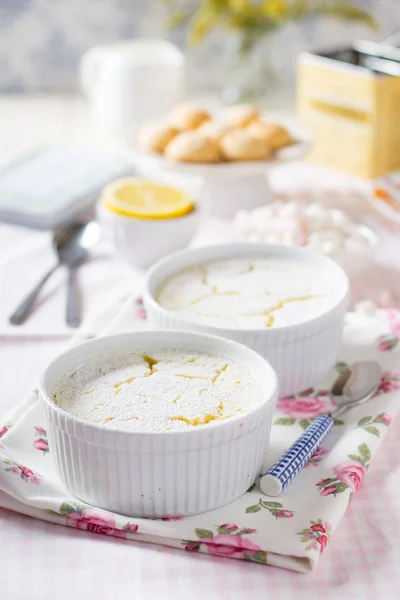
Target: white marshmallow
340,219
354,246
290,209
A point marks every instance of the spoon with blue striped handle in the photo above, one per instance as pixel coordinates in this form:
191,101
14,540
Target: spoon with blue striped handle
352,388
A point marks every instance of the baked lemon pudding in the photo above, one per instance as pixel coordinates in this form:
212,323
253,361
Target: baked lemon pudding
158,390
256,293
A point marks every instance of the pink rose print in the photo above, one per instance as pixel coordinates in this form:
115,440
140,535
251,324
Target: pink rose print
284,514
305,408
351,473
41,444
3,430
385,418
95,520
25,473
322,540
192,546
140,311
176,518
390,382
229,526
234,546
348,474
331,489
318,527
316,537
317,457
41,431
228,542
389,341
247,530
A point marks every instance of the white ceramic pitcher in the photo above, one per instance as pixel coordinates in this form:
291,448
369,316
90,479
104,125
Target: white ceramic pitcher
132,82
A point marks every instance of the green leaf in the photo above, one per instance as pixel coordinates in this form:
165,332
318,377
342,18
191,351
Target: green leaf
67,507
204,533
319,521
355,457
327,481
338,422
284,421
313,522
363,421
340,487
306,393
304,423
259,557
372,430
251,488
270,504
253,509
364,452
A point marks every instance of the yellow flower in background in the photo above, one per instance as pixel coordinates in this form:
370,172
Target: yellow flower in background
276,10
255,18
239,5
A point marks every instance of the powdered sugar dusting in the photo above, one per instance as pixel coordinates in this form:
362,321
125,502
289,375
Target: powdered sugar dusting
158,390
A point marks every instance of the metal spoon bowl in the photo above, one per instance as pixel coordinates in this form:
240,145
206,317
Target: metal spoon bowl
71,245
352,388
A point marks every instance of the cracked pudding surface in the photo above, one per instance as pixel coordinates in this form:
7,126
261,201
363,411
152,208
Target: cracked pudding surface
158,390
256,293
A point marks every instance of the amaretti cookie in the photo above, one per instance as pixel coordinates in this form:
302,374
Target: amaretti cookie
241,115
188,116
241,144
193,147
276,135
155,137
215,129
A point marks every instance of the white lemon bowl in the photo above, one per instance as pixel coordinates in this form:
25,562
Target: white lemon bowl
158,474
141,242
301,353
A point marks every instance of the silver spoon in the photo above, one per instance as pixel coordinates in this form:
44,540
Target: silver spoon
352,388
72,245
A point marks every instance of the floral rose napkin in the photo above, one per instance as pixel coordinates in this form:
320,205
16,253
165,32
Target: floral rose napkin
291,531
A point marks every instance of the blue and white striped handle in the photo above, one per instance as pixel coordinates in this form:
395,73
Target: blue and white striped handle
275,480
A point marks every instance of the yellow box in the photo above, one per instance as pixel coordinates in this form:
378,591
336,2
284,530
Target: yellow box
352,113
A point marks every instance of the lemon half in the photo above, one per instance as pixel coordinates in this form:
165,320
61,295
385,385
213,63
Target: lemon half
145,199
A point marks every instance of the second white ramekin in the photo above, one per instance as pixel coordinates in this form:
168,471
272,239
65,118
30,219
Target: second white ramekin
159,474
301,354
